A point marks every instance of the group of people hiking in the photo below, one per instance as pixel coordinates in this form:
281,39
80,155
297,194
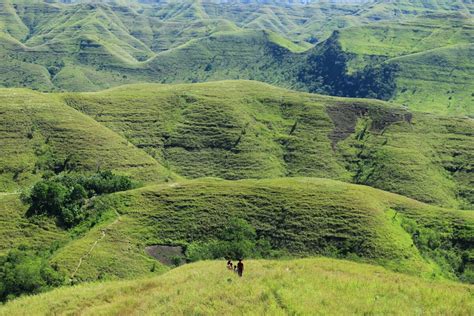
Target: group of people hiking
237,268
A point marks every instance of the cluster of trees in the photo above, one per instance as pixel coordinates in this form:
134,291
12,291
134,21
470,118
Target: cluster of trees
325,71
26,272
237,241
64,195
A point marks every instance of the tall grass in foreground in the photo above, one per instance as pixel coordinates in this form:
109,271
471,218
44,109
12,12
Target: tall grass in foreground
304,286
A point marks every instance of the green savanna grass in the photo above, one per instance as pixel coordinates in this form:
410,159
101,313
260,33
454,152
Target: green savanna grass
246,129
389,10
238,130
36,126
18,230
304,286
301,216
88,47
434,56
450,67
410,36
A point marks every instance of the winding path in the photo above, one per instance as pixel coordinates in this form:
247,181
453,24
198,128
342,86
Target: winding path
103,233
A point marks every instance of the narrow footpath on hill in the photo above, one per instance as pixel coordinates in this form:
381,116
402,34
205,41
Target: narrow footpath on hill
103,233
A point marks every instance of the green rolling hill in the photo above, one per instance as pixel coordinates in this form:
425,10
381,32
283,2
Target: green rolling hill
40,133
303,216
438,80
139,136
240,130
245,129
90,46
17,230
433,55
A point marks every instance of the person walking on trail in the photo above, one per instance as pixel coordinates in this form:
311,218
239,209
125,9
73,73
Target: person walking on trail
240,268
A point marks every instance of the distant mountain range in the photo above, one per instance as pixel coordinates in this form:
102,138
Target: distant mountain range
418,52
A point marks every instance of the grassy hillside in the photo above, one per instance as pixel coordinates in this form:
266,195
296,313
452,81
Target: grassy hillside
240,130
233,130
452,71
231,55
16,229
244,129
383,10
41,134
410,36
93,46
433,54
273,287
300,174
300,216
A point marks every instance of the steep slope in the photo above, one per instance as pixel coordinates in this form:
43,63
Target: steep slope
90,46
89,49
17,230
268,287
92,22
10,22
301,216
383,10
76,42
244,129
433,55
246,54
39,133
389,39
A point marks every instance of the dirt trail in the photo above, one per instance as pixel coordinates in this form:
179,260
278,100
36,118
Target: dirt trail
103,233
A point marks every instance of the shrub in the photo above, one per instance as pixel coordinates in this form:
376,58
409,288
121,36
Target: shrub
238,240
106,182
176,260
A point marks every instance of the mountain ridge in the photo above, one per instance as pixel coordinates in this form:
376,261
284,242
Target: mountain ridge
84,47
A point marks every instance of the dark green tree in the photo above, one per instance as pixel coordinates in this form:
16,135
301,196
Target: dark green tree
26,272
63,196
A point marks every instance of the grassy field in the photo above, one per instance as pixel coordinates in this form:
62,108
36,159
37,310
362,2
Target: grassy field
451,70
306,286
368,181
240,130
300,216
408,37
236,130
